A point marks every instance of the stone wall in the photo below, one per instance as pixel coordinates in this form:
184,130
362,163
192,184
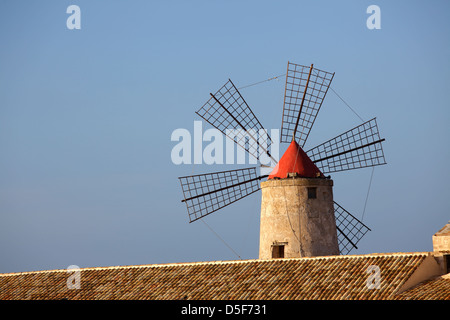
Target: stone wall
305,227
441,248
441,240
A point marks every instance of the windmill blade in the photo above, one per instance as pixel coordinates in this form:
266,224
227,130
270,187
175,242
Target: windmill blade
349,229
359,147
305,90
228,112
206,193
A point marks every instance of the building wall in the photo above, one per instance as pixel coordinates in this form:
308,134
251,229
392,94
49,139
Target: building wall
441,247
441,240
306,227
441,244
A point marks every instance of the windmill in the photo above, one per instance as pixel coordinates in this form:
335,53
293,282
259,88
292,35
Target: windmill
298,213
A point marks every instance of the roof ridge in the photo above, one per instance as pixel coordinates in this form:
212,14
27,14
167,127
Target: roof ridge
172,264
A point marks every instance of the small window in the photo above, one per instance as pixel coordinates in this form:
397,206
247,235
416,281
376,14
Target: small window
312,192
447,262
277,251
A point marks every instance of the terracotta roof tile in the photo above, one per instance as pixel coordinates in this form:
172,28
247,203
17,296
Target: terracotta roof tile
437,288
334,277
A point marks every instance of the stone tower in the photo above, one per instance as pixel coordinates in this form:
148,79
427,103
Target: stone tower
297,210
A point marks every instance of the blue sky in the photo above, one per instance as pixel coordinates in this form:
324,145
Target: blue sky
86,117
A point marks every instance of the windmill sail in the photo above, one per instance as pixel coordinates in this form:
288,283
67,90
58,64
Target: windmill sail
305,90
228,112
349,229
359,147
206,193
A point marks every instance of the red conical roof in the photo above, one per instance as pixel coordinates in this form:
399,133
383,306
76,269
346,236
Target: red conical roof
295,160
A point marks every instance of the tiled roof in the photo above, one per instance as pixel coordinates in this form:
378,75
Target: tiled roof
334,277
444,231
434,289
